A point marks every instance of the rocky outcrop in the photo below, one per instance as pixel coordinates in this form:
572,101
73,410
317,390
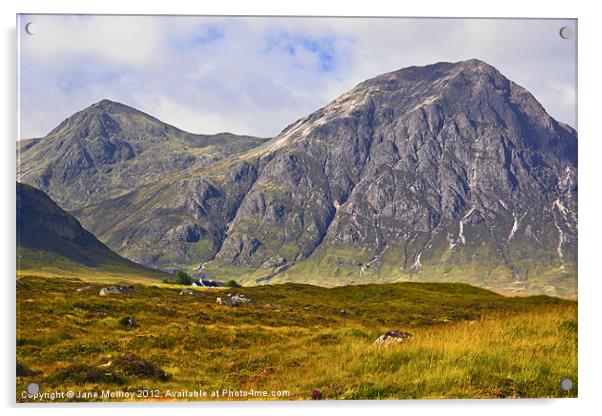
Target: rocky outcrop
392,336
116,290
233,300
173,224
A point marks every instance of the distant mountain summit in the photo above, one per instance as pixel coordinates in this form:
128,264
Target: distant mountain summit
443,172
109,149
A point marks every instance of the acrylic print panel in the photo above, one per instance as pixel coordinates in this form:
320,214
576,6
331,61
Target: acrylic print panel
241,208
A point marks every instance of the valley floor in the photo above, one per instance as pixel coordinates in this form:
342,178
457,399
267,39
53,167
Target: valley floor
291,341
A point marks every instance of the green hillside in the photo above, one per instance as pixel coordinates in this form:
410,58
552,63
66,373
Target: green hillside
52,242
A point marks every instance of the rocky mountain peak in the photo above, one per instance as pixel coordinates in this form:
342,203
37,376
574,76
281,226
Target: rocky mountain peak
403,92
106,119
470,93
109,148
112,106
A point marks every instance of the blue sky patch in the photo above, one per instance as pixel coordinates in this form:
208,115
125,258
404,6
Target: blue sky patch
204,35
325,48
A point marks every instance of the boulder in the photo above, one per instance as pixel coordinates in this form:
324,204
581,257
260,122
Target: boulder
226,302
127,322
116,290
395,335
188,291
238,299
233,301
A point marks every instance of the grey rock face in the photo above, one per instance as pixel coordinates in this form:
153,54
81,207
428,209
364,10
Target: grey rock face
431,163
176,223
188,233
274,262
109,149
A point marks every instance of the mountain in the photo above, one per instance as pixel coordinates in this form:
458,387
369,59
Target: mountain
444,172
109,149
49,239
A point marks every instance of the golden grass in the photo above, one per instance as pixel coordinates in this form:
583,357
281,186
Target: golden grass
468,343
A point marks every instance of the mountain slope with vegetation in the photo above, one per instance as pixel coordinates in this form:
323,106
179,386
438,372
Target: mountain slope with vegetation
50,241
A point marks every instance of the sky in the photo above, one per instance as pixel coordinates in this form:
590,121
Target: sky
257,75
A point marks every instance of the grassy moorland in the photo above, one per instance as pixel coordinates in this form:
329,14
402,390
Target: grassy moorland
53,266
467,342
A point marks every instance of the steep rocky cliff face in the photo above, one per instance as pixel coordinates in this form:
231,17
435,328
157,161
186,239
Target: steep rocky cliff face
424,169
443,172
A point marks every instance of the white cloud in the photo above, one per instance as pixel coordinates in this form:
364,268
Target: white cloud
257,75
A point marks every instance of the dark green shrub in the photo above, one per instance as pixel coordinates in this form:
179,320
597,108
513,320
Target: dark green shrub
180,278
132,365
183,278
23,371
82,374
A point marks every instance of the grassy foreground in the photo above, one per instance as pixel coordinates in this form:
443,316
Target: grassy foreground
293,342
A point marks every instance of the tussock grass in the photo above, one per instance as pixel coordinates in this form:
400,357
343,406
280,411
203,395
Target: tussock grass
467,342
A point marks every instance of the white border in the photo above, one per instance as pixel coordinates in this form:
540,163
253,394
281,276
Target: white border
590,153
